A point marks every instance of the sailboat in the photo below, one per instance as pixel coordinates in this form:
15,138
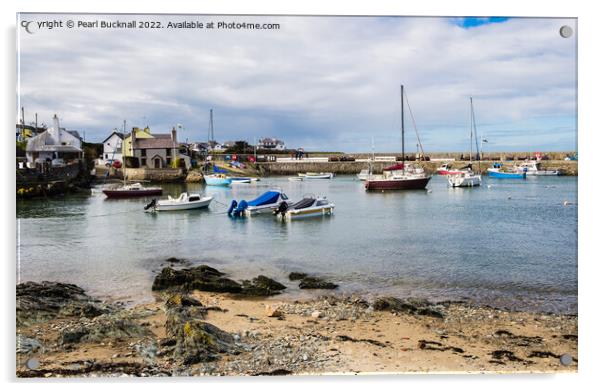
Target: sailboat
466,177
399,176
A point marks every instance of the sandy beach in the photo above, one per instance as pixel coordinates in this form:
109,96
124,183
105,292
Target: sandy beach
194,332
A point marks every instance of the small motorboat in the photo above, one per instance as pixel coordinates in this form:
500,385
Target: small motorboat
363,175
533,167
309,206
295,179
132,190
265,203
184,202
319,175
446,169
240,180
464,179
218,180
496,172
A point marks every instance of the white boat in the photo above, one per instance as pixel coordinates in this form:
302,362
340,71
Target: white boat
240,180
464,179
533,167
184,202
309,206
363,175
319,175
295,179
217,180
268,202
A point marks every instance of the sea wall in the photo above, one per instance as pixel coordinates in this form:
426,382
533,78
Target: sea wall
292,168
155,174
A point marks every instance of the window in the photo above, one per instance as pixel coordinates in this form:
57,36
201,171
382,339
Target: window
143,152
167,152
143,161
168,161
106,155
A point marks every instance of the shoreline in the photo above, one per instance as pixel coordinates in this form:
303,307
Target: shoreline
191,330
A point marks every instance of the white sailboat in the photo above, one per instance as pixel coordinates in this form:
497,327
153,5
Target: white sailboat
466,177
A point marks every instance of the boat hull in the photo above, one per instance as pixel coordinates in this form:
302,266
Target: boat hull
218,181
309,212
448,172
203,203
506,175
132,193
397,184
470,181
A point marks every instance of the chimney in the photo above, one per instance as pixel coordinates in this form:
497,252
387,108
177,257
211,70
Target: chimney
57,129
173,135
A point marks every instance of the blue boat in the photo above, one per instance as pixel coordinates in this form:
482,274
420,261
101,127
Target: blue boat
217,180
268,202
496,172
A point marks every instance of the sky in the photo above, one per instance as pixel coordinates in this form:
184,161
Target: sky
321,83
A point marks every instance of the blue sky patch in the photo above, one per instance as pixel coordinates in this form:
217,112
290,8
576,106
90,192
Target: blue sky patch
475,22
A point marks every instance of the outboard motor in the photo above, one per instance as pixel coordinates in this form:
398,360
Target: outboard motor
151,204
233,205
242,206
282,208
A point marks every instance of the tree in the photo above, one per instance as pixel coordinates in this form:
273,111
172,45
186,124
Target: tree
240,147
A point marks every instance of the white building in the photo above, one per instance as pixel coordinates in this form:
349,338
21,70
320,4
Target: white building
55,145
271,143
111,147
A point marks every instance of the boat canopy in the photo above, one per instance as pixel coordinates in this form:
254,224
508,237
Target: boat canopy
304,203
398,166
269,197
218,170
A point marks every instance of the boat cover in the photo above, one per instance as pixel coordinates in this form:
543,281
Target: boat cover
218,170
398,166
269,197
304,203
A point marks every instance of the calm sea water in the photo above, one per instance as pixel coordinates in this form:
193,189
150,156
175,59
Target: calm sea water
510,243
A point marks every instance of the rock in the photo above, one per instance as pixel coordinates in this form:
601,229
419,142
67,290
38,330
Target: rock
262,286
27,345
273,311
408,306
317,314
194,176
46,300
203,278
173,260
316,283
183,300
103,328
294,276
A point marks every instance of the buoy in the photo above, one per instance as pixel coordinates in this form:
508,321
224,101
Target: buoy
233,205
489,186
565,203
509,197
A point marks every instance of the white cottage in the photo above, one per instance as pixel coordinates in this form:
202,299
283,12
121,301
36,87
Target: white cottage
111,147
55,145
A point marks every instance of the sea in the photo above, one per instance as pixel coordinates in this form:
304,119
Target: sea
508,244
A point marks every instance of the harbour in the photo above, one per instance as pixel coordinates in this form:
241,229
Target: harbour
439,243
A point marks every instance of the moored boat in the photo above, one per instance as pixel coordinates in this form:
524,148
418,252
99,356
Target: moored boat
466,177
363,175
265,203
318,175
295,179
497,172
184,202
217,180
446,169
132,190
309,206
533,167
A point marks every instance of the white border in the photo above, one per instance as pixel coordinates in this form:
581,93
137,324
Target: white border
589,138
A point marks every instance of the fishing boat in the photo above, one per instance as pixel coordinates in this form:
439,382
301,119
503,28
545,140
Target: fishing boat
318,175
265,203
533,167
309,206
400,176
184,202
496,171
446,169
467,177
218,180
132,190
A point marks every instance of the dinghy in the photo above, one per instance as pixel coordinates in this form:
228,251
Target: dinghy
184,202
265,203
309,206
132,190
320,175
217,180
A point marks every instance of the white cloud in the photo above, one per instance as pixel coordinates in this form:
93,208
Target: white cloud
322,83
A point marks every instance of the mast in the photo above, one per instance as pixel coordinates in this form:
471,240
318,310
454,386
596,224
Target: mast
470,156
403,152
476,139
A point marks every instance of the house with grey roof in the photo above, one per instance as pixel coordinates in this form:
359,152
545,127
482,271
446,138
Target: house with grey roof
158,151
55,144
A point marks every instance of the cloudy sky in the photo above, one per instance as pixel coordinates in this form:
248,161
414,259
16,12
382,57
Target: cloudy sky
322,83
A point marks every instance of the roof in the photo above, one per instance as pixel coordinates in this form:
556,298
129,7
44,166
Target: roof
38,144
119,134
154,143
74,133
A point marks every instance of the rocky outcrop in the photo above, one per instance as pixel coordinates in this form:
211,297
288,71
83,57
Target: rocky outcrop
194,176
408,306
41,301
208,279
107,327
316,283
295,276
